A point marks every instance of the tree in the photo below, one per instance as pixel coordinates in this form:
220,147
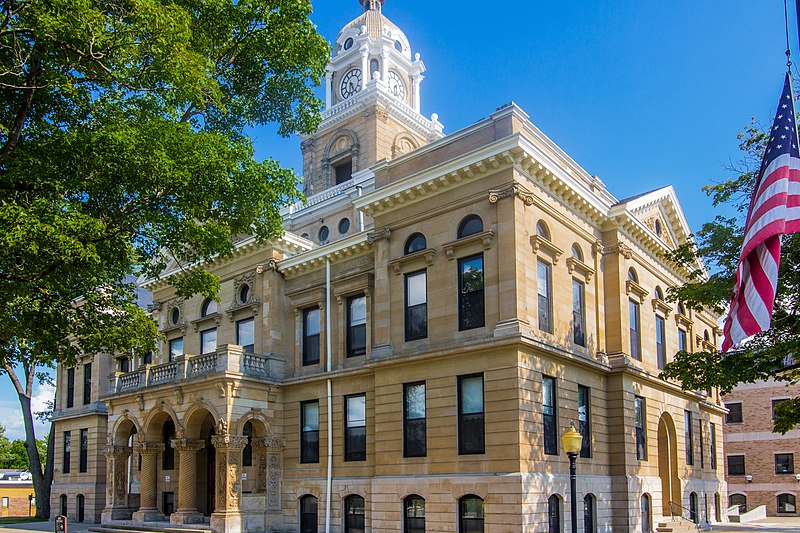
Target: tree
770,354
123,148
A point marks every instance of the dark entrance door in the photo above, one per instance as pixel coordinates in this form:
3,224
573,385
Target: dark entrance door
211,475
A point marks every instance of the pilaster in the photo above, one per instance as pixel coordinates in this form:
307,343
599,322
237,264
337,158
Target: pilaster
228,516
117,484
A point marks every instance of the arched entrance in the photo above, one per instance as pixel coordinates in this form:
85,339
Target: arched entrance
668,464
200,427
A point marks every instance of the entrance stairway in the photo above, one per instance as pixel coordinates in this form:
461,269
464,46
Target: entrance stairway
148,527
678,526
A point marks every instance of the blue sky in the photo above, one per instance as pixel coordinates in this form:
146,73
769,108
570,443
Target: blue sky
642,94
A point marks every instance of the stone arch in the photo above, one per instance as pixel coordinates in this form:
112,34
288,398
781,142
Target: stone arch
261,426
403,143
342,144
122,429
668,463
155,419
195,416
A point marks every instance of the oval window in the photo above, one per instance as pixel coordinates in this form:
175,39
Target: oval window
348,44
398,46
344,225
324,233
244,293
176,315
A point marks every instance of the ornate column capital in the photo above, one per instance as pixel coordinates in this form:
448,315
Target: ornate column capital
229,442
118,452
188,445
149,448
269,444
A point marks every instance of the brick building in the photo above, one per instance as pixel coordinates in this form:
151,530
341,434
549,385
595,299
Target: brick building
16,495
408,354
760,465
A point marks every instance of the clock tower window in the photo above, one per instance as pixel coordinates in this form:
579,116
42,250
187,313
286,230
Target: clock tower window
374,66
343,171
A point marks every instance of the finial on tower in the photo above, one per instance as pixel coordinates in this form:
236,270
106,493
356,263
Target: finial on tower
374,5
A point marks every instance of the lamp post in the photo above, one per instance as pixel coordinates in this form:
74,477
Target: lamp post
571,441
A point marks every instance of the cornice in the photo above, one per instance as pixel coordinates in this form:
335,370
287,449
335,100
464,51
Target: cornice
348,248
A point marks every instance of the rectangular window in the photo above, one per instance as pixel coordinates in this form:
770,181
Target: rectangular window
355,440
309,429
549,415
661,346
83,462
87,383
70,387
470,293
175,348
635,327
545,294
208,341
702,445
414,431
356,325
776,403
713,451
67,449
311,329
246,335
124,364
147,359
343,171
734,415
5,501
416,305
784,463
736,465
578,313
641,428
470,414
683,344
585,420
688,436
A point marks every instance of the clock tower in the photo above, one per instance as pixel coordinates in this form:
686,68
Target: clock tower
372,102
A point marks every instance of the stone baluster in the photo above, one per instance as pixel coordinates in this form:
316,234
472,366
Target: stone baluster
148,505
227,517
187,512
117,483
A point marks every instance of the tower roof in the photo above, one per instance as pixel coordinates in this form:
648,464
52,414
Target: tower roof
374,21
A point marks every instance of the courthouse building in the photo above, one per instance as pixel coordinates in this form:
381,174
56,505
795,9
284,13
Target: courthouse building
407,355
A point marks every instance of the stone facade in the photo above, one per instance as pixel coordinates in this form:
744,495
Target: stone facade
765,477
411,350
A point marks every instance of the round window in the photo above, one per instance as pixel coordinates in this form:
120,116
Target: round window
324,233
348,44
175,315
244,293
344,225
398,46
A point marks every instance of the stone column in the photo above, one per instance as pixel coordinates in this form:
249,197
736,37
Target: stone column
227,518
270,469
116,484
148,505
187,512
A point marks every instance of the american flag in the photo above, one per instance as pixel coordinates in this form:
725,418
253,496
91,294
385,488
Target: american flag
774,211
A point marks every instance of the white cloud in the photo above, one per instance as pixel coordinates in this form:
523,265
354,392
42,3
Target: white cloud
11,412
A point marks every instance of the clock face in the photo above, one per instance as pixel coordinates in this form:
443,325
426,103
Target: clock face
396,85
351,83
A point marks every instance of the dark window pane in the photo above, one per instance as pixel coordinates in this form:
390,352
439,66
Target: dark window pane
168,455
355,444
734,415
415,243
311,336
740,500
786,503
636,337
87,383
416,305
471,225
647,521
309,438
246,335
641,432
308,514
356,326
414,430
247,452
414,515
65,465
545,295
470,515
354,514
470,415
736,465
343,171
775,403
578,313
70,387
661,347
470,294
683,345
589,521
553,514
688,437
84,452
549,415
784,463
585,420
713,452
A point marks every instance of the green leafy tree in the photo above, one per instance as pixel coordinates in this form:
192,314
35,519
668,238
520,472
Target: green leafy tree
123,147
718,243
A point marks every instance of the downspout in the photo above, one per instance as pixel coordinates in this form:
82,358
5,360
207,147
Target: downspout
360,191
329,484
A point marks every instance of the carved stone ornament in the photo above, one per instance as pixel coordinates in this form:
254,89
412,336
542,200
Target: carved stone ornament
149,448
170,305
252,302
620,248
274,482
188,445
229,441
270,265
140,401
379,234
179,395
513,189
118,452
222,427
307,145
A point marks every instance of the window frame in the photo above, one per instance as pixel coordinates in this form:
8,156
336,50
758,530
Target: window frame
411,524
312,344
712,430
635,319
640,427
465,448
790,499
71,387
476,319
83,453
421,331
544,298
661,347
688,436
168,455
351,349
203,334
469,524
740,418
307,440
307,526
790,469
554,519
579,309
415,426
66,452
550,435
247,451
170,343
239,325
349,527
585,426
350,431
87,383
736,456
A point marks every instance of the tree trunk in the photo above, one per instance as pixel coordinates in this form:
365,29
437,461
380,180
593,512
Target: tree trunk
41,481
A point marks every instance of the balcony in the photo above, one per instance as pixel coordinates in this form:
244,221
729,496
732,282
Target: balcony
228,359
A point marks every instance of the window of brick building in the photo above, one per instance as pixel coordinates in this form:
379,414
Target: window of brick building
66,452
786,504
356,325
784,463
736,465
471,312
70,387
416,309
549,415
585,420
87,383
83,462
311,330
776,403
734,415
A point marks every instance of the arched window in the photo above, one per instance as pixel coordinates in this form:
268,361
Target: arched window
693,516
62,500
79,508
740,500
589,514
470,514
632,275
374,66
554,514
647,520
577,253
470,225
308,514
415,243
542,230
414,514
354,514
209,307
168,455
706,336
786,504
247,452
244,293
681,309
659,294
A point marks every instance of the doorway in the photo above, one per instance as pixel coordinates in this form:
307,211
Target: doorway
668,466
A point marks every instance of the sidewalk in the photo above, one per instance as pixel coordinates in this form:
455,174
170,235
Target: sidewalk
48,526
775,524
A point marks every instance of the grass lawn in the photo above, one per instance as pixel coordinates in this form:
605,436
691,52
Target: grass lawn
18,520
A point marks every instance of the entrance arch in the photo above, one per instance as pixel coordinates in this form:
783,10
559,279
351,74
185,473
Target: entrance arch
668,463
200,425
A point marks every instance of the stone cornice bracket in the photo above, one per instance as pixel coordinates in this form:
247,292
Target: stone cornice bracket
379,234
513,189
619,248
307,144
661,305
271,264
540,243
484,238
118,452
149,448
154,306
427,255
597,248
576,265
683,320
631,287
231,442
188,445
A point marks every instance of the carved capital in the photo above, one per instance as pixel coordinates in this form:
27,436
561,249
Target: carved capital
270,265
188,445
511,190
149,448
229,442
620,248
379,234
118,452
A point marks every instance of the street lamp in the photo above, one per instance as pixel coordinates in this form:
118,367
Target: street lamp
571,441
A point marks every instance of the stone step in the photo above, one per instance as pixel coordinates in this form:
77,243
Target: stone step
677,526
151,527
